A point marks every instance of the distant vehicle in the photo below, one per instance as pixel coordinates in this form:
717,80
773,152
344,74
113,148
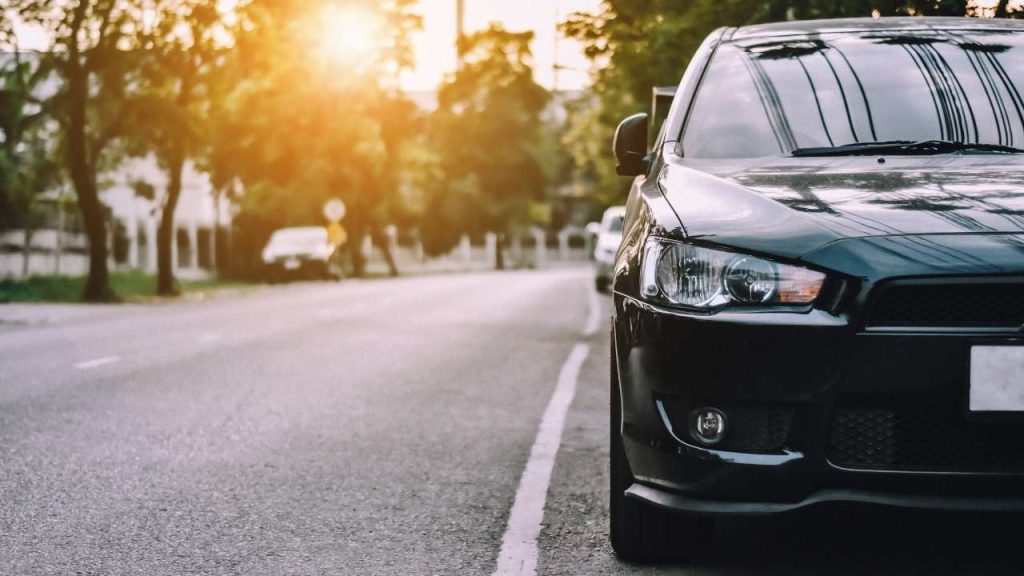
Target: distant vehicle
609,236
819,297
299,252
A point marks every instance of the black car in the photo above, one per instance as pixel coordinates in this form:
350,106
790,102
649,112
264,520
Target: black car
819,296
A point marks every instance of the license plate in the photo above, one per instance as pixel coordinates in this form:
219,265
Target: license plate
291,264
997,379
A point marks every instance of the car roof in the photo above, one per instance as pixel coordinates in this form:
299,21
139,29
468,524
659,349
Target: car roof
859,25
615,211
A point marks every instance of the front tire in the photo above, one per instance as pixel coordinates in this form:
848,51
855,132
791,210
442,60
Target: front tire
639,531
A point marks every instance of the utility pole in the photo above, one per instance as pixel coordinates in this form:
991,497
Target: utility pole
460,30
555,66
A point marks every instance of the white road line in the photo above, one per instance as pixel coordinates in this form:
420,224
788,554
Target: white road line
518,554
594,314
97,362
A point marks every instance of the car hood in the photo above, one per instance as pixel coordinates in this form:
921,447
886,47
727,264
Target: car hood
791,206
876,258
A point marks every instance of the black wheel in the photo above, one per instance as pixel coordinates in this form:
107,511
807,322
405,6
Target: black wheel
601,284
641,532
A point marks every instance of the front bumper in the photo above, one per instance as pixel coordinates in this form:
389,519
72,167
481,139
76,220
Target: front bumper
675,501
799,372
296,267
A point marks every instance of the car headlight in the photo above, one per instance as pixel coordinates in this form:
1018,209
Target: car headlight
680,274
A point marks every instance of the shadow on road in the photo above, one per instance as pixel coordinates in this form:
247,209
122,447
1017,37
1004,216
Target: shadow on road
860,541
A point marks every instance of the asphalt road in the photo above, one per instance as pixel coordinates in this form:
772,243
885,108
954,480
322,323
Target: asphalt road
376,427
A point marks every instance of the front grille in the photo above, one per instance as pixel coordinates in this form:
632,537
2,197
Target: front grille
757,428
749,427
977,304
916,435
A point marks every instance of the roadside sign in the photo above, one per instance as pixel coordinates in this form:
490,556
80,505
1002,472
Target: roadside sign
336,234
334,210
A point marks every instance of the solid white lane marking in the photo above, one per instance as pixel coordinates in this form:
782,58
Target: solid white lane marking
97,362
594,313
518,555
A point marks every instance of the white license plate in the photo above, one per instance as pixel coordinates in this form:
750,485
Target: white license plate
997,379
291,264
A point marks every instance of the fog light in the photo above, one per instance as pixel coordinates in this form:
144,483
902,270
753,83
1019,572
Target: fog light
707,425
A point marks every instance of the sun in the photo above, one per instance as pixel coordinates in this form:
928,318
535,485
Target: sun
349,35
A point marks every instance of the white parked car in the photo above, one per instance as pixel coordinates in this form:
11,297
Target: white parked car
299,252
609,236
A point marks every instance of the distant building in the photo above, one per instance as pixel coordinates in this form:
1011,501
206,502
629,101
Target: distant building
59,245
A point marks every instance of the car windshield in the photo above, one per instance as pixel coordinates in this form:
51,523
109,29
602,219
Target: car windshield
614,224
299,237
773,98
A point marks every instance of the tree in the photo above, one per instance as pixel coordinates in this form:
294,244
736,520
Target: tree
314,115
178,59
27,165
487,131
88,43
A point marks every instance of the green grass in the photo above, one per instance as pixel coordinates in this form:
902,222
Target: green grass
130,286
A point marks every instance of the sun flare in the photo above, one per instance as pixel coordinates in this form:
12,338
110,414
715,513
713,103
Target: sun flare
349,35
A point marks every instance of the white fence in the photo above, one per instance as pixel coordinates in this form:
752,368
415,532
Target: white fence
67,255
532,250
49,253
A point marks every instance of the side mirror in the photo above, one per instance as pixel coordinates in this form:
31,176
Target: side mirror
593,228
630,146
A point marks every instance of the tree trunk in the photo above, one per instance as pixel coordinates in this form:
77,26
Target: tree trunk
59,252
165,281
499,252
1001,9
355,248
81,166
26,255
214,260
384,244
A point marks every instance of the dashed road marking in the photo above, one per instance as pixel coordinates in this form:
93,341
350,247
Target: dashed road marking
97,362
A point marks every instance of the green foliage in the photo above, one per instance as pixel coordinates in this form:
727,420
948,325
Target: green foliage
300,124
27,150
90,54
176,66
488,135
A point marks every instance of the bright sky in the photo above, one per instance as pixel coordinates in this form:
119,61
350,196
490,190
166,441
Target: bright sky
435,44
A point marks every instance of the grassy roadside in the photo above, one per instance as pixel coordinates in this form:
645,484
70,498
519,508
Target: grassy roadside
130,286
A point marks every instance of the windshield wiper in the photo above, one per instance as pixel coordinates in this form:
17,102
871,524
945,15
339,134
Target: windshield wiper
907,148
